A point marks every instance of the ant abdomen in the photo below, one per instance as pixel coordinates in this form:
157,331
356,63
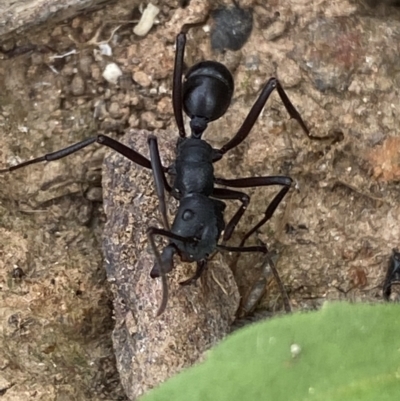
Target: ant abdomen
207,90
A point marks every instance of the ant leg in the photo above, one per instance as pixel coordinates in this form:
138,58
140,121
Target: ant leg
255,111
160,180
392,275
100,139
177,83
200,269
164,283
256,248
177,103
286,182
264,250
228,194
164,261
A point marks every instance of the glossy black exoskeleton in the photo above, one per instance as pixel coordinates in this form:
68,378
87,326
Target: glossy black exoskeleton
198,225
207,94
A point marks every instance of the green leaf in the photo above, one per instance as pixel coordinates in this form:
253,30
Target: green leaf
344,353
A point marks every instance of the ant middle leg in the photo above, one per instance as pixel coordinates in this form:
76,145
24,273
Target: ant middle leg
154,163
284,181
229,194
124,150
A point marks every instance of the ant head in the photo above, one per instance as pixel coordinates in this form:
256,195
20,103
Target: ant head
200,220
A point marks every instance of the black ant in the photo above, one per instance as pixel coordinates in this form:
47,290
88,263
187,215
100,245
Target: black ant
204,95
392,275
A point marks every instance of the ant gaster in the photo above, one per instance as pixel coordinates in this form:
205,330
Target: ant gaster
205,95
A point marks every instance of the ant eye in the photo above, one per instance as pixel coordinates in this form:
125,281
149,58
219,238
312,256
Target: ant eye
188,215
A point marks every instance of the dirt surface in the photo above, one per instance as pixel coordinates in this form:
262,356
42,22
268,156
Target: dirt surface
17,16
333,235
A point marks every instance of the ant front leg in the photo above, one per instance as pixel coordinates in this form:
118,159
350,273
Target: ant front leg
200,269
164,261
286,182
269,261
160,180
101,140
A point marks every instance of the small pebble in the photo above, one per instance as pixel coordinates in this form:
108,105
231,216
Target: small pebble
77,85
142,79
147,20
111,73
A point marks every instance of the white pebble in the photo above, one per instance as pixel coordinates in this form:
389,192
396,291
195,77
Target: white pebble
147,20
111,73
105,49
